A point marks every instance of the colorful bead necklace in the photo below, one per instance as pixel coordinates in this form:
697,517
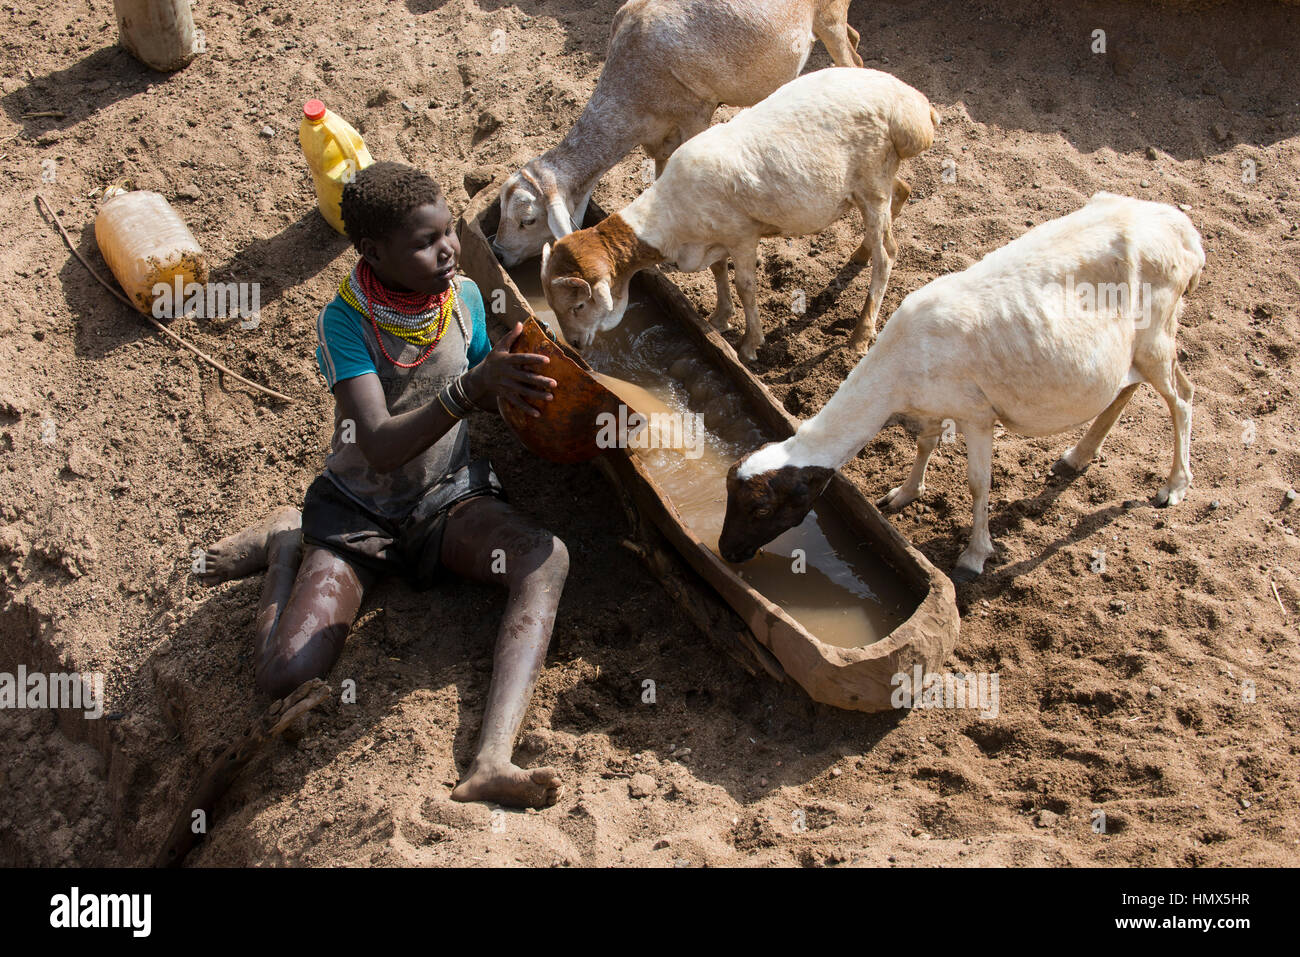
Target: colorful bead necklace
417,318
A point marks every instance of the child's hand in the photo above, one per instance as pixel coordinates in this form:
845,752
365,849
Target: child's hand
506,376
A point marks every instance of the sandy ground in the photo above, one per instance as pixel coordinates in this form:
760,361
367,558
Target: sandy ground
1126,690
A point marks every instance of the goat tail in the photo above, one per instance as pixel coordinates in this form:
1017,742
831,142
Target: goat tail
1193,253
911,128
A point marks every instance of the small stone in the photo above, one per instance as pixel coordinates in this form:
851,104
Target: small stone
916,832
681,753
1245,803
1145,184
1290,495
1153,691
1152,154
1118,606
487,124
268,132
1047,819
836,772
1219,133
476,180
1214,504
1184,207
83,462
641,786
408,106
659,845
327,820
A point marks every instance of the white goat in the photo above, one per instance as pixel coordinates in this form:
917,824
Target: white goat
791,165
670,64
1056,328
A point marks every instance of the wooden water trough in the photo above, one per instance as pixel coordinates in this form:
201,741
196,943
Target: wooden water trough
858,679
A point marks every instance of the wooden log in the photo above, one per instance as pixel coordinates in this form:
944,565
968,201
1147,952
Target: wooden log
701,605
860,678
158,33
217,779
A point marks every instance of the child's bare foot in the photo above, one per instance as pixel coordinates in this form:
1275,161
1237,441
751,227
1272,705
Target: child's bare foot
510,785
253,548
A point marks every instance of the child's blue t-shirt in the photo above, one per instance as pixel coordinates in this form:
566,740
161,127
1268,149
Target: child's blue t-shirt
342,353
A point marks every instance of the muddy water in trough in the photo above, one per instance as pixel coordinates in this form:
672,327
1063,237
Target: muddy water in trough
836,589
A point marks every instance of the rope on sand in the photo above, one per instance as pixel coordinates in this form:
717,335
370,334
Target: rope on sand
41,200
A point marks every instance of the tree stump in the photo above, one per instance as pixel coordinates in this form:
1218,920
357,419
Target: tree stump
158,33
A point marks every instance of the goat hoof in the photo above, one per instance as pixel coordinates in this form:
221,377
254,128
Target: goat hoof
861,256
1167,497
893,502
963,576
1063,468
720,321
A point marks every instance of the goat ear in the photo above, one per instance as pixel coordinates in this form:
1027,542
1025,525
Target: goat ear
602,295
546,256
573,282
818,478
557,217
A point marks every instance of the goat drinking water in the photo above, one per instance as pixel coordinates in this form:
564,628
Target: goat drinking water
1053,329
819,146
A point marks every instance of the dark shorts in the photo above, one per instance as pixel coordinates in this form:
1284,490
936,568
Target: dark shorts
410,546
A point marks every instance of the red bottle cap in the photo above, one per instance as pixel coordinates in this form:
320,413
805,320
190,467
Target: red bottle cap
313,110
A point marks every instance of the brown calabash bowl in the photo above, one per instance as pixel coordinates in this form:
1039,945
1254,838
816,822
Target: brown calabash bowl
566,431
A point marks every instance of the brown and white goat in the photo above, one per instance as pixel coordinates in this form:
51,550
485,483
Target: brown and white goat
822,144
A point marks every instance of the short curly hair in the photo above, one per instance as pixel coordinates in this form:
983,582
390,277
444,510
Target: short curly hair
380,197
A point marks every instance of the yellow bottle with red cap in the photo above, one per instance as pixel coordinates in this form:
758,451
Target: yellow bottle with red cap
335,153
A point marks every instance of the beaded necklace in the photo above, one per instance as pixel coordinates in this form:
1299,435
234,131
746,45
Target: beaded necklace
417,318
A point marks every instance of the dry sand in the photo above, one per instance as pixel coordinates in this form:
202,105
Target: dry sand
1122,691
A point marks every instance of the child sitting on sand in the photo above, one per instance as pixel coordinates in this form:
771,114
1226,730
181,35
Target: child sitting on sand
404,348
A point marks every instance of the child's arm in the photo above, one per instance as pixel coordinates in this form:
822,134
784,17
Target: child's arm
507,377
390,441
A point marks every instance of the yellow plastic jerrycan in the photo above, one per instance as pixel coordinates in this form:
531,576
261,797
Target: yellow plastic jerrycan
335,153
145,242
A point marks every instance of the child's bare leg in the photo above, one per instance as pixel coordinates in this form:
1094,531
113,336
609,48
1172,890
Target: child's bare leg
303,619
536,564
249,550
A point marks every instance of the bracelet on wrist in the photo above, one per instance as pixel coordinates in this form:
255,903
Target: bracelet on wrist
450,405
464,395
